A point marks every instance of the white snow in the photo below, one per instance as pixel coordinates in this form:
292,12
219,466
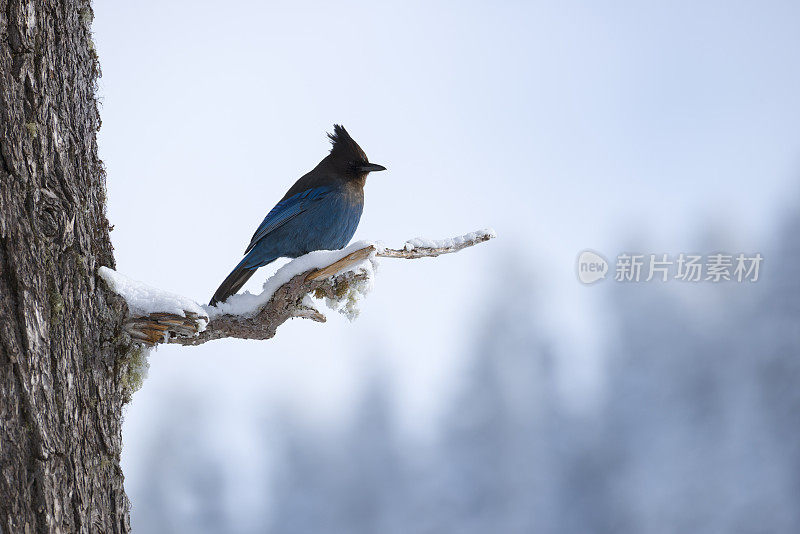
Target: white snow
144,299
347,304
248,304
451,242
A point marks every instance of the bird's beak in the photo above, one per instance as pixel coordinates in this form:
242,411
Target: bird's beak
371,167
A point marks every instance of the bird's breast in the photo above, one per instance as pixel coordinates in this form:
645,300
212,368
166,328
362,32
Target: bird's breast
334,221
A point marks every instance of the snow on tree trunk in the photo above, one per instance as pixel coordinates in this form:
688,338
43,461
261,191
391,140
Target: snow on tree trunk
63,360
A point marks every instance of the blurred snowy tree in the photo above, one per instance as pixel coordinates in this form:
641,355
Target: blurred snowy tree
184,489
350,482
703,403
500,450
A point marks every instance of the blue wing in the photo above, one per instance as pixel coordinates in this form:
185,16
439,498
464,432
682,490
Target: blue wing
286,210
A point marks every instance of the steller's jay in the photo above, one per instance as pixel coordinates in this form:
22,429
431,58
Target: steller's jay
319,212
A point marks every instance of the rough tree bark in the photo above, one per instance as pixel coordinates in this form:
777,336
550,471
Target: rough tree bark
62,354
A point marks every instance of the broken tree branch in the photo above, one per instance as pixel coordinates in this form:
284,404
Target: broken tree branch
336,282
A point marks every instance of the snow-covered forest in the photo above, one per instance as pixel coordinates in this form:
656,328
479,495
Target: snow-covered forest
695,431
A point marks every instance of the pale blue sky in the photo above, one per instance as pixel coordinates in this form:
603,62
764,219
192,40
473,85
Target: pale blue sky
563,125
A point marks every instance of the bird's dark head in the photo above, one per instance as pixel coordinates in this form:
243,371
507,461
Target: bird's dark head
347,157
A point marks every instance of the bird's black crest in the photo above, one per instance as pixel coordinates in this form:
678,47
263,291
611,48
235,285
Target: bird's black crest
344,146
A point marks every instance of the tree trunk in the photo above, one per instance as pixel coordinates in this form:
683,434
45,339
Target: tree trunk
63,358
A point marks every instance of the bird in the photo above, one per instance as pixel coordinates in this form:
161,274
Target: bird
321,211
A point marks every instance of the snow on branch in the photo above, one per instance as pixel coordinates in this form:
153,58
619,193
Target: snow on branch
341,277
